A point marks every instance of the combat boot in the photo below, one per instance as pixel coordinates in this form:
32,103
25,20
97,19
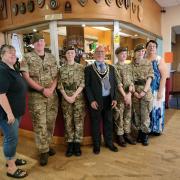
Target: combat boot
70,149
139,138
77,149
145,139
51,152
121,141
129,139
44,159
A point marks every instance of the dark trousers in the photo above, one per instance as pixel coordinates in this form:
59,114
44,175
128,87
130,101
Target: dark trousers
104,114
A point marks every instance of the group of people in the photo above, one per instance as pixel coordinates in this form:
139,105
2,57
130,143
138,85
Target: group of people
121,96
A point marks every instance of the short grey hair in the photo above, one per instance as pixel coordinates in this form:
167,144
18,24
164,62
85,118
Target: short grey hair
4,48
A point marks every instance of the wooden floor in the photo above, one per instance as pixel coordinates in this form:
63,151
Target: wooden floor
159,161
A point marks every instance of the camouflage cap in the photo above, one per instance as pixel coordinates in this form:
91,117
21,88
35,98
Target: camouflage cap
139,47
69,48
120,49
36,37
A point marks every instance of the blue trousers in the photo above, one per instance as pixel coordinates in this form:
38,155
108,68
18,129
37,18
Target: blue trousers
10,133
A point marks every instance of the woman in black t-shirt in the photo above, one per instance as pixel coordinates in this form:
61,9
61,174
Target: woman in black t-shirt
12,107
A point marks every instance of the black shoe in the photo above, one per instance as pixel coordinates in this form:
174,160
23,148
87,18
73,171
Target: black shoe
77,149
129,139
139,138
96,149
70,149
121,141
51,152
112,147
156,134
145,138
44,159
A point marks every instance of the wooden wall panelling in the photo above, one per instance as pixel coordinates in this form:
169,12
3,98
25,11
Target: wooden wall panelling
94,11
8,21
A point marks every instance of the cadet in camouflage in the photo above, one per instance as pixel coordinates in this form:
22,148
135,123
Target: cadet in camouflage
40,71
142,99
71,84
122,113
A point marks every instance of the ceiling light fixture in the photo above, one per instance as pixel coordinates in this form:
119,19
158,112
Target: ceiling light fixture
124,34
101,28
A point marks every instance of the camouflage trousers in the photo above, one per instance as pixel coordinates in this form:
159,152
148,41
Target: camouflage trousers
43,112
122,118
141,110
74,119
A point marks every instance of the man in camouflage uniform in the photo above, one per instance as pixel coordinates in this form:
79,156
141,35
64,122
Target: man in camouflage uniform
71,84
122,114
142,96
40,71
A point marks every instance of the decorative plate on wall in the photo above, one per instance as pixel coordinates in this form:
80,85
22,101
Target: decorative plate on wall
68,7
22,8
3,9
83,2
15,9
119,3
108,2
53,4
30,5
1,5
40,3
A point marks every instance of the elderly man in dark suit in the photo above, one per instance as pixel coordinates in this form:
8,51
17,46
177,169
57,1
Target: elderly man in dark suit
100,86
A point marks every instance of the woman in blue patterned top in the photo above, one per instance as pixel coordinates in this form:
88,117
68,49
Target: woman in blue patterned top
158,88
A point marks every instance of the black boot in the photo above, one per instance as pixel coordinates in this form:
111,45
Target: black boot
145,139
129,139
77,149
70,149
139,138
51,152
43,159
121,141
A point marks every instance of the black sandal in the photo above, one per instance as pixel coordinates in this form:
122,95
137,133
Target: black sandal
19,162
19,173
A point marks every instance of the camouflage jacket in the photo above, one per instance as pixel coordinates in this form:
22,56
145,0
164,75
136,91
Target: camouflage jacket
71,77
41,71
141,72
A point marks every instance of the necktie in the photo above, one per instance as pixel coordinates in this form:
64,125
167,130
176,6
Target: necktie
102,67
105,80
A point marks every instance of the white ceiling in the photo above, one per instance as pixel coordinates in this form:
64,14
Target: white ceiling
167,3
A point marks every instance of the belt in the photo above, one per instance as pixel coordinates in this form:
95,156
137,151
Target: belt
32,90
140,82
71,87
